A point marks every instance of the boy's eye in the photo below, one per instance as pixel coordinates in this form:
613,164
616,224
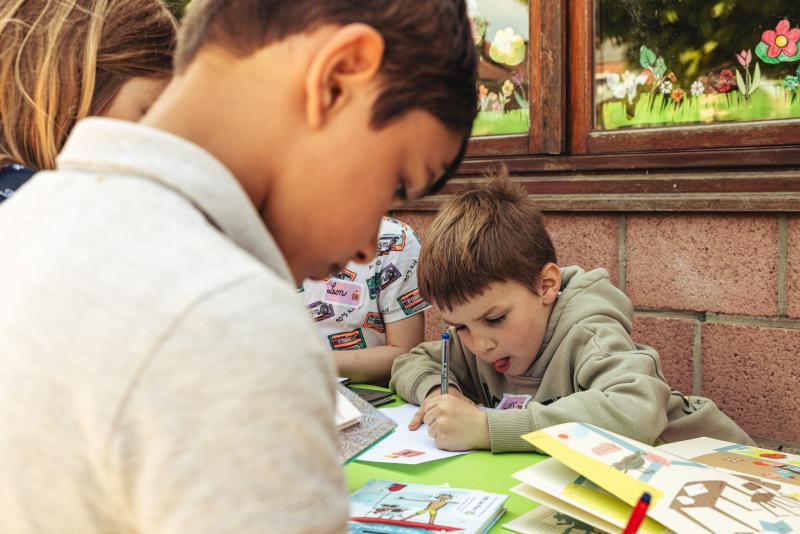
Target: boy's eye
460,328
496,320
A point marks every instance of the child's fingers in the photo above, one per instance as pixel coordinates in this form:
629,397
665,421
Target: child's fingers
416,421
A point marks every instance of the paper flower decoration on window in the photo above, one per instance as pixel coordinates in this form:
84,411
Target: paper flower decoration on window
507,47
625,86
779,44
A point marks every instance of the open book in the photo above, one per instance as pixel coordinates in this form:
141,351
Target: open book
595,477
383,506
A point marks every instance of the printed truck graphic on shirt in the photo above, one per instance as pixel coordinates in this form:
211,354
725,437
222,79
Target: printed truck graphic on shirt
374,320
353,339
412,302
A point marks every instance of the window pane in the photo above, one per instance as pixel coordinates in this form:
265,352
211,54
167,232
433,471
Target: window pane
666,63
500,30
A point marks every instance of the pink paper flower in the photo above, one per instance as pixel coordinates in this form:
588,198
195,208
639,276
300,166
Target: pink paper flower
782,39
744,58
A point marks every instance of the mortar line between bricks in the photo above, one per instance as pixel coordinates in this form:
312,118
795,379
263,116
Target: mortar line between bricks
622,252
720,318
783,263
745,320
670,314
697,359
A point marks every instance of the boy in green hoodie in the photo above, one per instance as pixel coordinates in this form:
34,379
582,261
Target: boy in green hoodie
545,345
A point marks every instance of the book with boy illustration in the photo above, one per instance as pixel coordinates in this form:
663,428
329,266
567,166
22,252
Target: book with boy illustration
701,485
383,506
360,424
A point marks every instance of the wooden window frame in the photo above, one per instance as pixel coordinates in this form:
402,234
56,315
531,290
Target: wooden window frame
547,24
567,166
586,140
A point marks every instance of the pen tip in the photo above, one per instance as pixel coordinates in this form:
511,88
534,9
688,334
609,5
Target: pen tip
646,497
445,336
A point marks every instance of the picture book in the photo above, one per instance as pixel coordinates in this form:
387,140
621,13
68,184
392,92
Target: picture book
561,489
607,473
774,468
368,428
383,506
544,520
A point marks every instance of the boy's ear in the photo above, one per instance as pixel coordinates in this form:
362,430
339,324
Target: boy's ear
549,283
345,63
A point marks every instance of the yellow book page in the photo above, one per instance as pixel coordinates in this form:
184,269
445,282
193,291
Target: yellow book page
623,486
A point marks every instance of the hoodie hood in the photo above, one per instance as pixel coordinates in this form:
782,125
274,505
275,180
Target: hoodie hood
583,295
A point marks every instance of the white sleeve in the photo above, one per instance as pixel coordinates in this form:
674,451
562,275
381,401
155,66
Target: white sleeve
229,427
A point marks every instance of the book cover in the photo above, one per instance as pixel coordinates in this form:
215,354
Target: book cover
370,428
398,508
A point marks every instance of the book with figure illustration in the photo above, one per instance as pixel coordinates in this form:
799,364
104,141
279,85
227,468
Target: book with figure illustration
701,485
384,506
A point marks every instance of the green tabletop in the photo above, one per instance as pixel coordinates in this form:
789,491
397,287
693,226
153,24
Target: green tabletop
478,470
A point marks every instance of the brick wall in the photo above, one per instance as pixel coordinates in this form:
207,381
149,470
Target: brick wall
717,295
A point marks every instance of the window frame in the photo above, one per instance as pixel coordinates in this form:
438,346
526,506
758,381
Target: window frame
565,165
586,140
547,92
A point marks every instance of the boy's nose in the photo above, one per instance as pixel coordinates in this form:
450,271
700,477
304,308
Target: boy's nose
486,345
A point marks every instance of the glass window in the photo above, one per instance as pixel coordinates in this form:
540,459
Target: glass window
665,63
500,30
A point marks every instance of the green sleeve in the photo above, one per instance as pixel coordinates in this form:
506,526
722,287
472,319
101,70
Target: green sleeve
415,374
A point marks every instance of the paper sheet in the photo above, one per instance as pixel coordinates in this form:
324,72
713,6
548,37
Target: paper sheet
404,446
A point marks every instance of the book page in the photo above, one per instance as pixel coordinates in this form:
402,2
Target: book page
776,468
687,496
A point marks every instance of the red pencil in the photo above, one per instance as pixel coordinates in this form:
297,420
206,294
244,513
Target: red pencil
637,516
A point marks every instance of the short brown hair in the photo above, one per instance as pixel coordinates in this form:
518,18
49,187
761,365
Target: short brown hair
429,63
62,60
489,234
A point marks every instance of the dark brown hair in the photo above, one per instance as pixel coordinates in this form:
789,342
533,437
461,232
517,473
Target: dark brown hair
429,61
61,60
489,234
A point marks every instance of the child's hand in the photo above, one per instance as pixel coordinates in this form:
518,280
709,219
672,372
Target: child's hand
454,422
416,421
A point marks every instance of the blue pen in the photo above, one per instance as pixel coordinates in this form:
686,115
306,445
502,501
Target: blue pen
445,360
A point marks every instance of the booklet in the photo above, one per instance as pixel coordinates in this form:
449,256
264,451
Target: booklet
602,475
384,506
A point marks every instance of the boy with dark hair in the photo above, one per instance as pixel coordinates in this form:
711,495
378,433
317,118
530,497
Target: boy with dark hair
541,344
152,342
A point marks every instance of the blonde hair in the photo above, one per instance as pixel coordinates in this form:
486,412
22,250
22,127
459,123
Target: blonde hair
492,233
62,60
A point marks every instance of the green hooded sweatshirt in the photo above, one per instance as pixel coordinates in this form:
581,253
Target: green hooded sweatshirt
588,370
